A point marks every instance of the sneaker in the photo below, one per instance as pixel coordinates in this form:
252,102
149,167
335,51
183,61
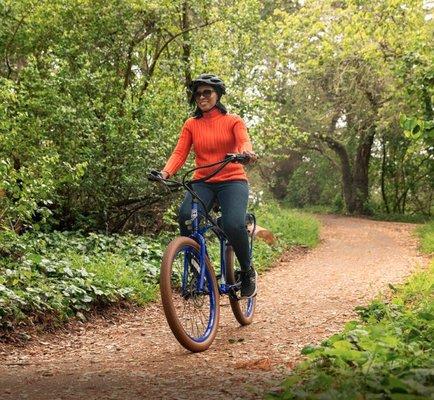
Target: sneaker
248,283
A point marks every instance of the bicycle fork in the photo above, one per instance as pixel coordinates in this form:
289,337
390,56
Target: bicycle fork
194,221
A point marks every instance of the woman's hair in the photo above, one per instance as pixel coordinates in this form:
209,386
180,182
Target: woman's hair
216,83
199,114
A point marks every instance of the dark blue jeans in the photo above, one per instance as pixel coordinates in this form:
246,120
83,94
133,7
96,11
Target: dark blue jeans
232,197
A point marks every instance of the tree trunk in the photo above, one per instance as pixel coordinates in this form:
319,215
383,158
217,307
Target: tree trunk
383,175
428,107
186,46
347,176
355,180
361,171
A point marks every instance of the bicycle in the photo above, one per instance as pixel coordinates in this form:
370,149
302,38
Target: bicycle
189,287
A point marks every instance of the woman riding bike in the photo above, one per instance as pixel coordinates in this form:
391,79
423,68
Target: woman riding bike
213,133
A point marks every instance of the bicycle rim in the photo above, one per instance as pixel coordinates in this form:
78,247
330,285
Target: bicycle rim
192,314
243,309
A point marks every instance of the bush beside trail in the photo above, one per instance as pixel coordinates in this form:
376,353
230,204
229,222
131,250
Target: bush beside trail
47,278
426,234
291,228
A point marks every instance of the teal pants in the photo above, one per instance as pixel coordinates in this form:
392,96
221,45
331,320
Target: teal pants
232,197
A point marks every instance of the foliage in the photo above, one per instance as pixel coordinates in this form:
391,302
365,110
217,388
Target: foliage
51,277
313,183
93,95
290,227
426,233
354,80
387,354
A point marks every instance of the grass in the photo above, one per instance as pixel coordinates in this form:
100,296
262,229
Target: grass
290,227
50,277
114,270
319,209
387,354
426,234
407,218
378,216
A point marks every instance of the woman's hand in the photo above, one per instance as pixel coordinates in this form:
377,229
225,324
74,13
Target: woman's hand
252,156
164,174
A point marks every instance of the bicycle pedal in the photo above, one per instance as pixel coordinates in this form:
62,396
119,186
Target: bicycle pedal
233,291
234,296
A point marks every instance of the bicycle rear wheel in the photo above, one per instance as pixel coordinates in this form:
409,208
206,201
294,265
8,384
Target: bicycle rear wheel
243,309
192,315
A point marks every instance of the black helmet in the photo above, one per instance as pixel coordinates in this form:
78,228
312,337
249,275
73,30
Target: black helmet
209,79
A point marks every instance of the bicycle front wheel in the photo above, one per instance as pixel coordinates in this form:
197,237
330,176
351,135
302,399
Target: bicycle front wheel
192,314
243,309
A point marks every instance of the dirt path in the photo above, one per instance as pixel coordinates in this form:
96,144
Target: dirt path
303,300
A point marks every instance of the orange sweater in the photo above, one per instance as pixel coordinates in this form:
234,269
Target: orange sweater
212,136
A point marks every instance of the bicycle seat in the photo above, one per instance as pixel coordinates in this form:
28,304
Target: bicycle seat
215,206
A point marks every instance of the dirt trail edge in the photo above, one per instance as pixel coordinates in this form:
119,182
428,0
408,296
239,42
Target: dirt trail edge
304,299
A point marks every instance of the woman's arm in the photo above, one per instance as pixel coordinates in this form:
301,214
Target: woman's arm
242,140
179,154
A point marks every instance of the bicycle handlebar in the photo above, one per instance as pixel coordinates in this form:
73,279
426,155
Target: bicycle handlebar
156,176
238,158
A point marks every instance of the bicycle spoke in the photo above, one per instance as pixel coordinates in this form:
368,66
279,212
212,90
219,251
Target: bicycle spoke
192,307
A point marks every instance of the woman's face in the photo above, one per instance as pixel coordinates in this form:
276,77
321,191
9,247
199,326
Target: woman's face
206,97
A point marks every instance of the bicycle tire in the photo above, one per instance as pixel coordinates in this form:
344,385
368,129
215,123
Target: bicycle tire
243,309
174,302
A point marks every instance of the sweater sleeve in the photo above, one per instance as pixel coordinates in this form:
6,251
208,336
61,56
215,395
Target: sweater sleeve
242,139
181,151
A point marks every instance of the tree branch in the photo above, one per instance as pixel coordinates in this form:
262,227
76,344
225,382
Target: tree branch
323,153
7,47
162,48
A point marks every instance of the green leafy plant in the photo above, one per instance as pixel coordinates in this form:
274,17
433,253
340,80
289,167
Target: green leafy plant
55,276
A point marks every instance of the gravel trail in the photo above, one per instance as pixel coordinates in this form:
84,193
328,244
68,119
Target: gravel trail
305,298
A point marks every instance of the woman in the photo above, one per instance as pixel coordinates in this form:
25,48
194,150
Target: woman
213,133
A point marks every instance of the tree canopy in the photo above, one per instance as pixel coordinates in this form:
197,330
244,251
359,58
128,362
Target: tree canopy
338,97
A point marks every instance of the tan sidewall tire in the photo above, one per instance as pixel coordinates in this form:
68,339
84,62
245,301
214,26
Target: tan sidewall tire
235,304
166,296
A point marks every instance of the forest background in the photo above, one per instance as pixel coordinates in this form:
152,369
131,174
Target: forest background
338,97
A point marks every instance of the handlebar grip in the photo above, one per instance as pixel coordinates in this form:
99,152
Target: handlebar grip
238,158
154,176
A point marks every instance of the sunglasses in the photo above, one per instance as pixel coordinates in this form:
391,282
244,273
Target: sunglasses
205,93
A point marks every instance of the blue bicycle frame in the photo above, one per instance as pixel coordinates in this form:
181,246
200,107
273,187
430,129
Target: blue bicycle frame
198,235
193,309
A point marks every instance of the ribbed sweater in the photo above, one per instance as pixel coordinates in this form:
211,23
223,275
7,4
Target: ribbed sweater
212,137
